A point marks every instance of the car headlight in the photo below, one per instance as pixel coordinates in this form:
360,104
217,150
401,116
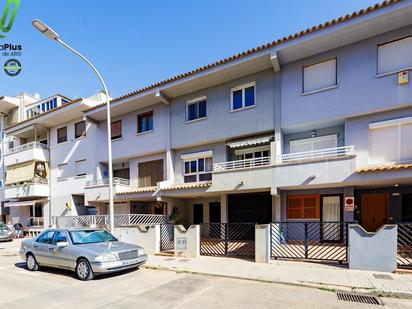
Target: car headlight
140,252
106,258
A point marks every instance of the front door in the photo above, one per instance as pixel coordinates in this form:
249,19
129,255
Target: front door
331,210
197,213
214,212
374,211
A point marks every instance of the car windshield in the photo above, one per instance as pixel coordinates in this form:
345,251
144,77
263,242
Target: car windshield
91,236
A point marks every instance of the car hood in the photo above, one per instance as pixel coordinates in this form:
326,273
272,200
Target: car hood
108,247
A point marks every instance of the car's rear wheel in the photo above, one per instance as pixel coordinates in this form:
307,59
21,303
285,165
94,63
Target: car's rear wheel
32,263
83,270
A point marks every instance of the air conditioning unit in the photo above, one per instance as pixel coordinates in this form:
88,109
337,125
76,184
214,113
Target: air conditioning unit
403,77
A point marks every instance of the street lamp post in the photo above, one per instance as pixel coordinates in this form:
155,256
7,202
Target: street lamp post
51,34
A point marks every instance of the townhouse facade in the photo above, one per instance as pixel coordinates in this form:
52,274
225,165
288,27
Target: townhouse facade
316,127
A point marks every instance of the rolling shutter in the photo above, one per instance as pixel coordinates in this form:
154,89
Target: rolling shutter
319,76
383,144
395,56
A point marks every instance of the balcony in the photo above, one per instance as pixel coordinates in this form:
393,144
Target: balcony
319,167
34,188
241,164
318,155
33,151
98,189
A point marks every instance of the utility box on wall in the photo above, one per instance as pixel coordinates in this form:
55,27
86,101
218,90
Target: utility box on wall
403,77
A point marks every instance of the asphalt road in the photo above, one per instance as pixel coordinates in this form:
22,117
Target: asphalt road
50,288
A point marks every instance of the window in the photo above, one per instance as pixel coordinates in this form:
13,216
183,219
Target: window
62,135
389,141
314,143
145,122
199,169
252,153
59,237
196,109
319,76
46,238
80,167
80,129
395,56
116,127
303,207
60,170
150,173
243,96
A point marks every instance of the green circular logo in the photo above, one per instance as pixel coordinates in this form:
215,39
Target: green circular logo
12,67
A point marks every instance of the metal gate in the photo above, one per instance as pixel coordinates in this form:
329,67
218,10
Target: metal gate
227,239
167,237
404,257
325,241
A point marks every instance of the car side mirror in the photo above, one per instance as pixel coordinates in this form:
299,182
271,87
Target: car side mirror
62,244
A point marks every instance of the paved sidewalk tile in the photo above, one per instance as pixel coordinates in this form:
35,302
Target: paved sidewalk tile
291,272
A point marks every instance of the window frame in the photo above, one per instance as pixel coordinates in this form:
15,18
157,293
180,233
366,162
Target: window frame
323,88
146,118
197,173
192,102
406,68
75,129
121,129
243,87
76,168
57,133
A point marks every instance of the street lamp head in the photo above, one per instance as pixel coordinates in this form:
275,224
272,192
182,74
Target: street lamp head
46,30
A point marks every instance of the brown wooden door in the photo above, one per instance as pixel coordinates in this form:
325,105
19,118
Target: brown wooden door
374,211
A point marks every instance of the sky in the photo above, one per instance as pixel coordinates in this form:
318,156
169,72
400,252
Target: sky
135,43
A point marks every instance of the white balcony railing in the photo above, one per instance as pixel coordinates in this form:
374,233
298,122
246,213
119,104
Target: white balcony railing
105,182
318,154
247,163
24,147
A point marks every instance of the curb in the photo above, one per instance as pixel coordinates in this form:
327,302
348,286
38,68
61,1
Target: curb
321,286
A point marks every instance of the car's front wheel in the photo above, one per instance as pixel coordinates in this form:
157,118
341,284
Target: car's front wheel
32,263
83,270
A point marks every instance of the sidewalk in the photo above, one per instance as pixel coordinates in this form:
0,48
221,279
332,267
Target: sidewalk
294,273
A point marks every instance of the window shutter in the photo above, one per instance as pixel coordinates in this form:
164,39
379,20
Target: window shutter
320,75
116,128
395,56
383,144
311,207
294,208
406,142
303,207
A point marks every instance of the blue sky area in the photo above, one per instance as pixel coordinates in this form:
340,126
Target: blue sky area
135,43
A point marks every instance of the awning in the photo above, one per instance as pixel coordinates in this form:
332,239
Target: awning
251,141
20,173
23,203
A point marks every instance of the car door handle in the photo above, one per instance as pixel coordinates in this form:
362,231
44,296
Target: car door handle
35,246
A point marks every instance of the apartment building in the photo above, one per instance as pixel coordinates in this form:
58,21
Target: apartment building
315,126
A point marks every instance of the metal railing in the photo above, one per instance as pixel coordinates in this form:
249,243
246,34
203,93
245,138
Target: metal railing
34,181
238,164
318,154
327,241
227,239
102,221
36,222
404,256
105,182
24,147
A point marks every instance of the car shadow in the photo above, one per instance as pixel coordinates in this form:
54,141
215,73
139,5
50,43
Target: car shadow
68,273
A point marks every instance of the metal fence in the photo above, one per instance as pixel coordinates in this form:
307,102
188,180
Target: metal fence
103,221
325,241
404,256
167,237
227,239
